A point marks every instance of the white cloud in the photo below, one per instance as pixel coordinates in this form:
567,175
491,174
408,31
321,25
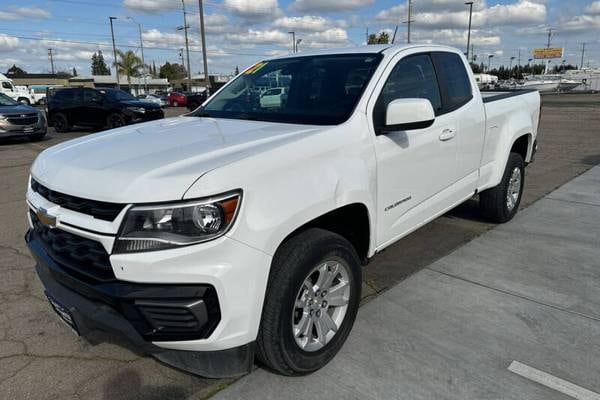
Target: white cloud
8,42
307,23
593,9
427,16
259,37
253,9
328,5
24,12
154,37
521,13
150,6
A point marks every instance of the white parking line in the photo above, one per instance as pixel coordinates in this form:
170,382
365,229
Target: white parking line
560,385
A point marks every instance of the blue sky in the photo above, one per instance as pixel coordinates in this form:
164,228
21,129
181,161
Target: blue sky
240,32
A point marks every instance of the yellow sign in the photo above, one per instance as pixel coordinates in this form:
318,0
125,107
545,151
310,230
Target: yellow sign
546,53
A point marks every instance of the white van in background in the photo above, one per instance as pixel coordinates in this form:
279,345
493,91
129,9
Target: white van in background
20,94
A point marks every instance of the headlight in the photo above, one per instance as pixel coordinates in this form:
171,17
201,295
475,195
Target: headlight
139,110
166,226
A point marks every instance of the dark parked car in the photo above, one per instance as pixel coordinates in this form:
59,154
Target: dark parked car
18,119
194,100
97,108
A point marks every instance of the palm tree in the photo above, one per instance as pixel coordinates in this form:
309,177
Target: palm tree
129,64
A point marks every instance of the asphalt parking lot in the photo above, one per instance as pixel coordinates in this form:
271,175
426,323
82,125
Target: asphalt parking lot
41,359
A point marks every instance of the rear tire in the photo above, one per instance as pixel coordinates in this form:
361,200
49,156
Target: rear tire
61,123
315,279
501,203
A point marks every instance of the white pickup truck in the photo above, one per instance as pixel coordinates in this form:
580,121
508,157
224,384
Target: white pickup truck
239,230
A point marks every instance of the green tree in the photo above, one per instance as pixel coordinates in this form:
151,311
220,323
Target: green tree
382,38
15,72
172,71
99,66
129,64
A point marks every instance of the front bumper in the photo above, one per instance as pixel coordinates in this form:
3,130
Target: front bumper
118,307
21,131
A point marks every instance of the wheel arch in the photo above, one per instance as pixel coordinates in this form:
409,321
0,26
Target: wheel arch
351,221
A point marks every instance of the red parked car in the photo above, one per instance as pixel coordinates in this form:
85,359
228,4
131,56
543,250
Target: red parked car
177,99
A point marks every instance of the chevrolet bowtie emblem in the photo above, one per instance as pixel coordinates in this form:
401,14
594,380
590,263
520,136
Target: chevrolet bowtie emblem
45,218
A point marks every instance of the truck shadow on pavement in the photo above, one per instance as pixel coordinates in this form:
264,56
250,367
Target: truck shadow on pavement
127,384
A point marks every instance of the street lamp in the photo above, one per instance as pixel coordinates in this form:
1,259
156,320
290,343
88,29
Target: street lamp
112,33
142,49
470,4
490,56
293,41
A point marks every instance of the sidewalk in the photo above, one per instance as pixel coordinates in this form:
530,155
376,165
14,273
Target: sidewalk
526,292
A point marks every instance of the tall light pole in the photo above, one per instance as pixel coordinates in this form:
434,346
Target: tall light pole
142,49
204,55
187,46
490,56
470,4
112,33
293,41
582,55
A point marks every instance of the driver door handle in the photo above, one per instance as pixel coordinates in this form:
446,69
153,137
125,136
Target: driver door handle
447,134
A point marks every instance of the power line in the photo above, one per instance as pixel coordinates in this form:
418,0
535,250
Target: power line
135,47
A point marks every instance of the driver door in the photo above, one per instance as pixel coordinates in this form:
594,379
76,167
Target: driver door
414,167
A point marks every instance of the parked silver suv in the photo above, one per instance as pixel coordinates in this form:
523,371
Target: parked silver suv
20,120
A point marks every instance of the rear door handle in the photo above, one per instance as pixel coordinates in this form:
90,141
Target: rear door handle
447,134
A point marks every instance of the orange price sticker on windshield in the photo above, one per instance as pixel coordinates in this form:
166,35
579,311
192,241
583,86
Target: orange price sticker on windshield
255,68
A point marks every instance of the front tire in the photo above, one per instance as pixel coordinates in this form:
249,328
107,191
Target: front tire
311,302
501,203
24,100
61,123
115,120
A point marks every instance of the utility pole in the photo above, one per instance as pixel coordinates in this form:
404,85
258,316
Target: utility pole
394,37
142,49
549,36
409,21
112,33
181,56
293,41
582,54
490,56
367,35
510,68
204,55
519,68
473,53
470,4
51,60
187,46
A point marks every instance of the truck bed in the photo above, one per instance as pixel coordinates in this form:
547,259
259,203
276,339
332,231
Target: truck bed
494,95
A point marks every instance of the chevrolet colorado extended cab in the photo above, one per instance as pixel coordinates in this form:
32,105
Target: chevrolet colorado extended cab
238,231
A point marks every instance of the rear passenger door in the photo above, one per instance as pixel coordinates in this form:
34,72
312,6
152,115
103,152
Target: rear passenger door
458,96
414,167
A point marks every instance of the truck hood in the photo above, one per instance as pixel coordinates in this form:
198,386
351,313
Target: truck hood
155,161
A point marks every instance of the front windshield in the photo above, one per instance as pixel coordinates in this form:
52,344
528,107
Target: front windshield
117,94
7,101
316,90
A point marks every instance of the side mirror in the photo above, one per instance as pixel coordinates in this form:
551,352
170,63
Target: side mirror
408,114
